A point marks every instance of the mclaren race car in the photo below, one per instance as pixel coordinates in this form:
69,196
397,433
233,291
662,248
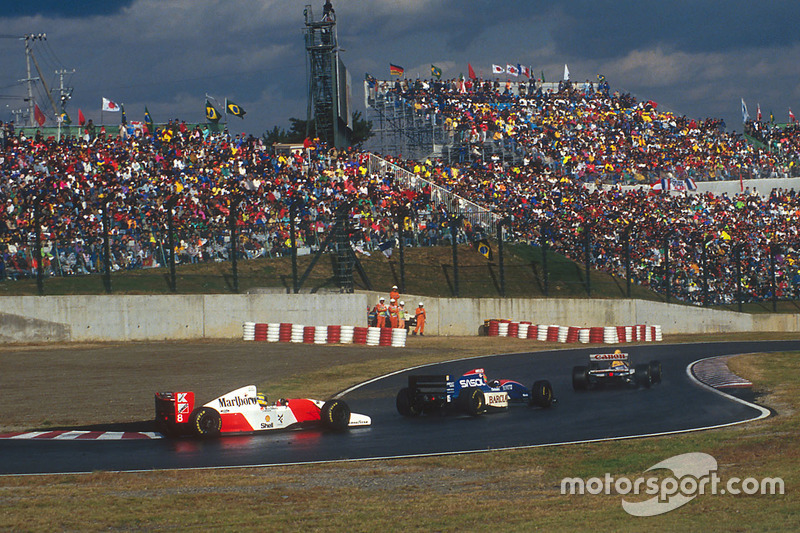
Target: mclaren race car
245,410
615,368
472,393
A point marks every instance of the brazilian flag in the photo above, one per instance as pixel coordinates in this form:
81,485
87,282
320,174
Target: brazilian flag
436,71
65,118
233,109
211,113
148,120
483,248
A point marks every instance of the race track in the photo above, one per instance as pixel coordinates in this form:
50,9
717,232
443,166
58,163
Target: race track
677,404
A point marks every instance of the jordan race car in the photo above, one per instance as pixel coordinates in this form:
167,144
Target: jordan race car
472,393
615,368
245,410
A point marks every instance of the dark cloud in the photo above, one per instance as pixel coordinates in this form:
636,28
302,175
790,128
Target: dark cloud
62,8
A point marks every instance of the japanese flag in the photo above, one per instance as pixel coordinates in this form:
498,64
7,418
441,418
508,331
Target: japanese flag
108,105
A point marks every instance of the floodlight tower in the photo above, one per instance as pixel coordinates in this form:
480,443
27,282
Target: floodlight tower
328,79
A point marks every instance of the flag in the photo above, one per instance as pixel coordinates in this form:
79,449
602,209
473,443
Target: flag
791,116
758,112
771,118
386,247
395,70
108,105
660,186
745,115
211,112
601,78
38,115
512,70
566,72
436,71
64,118
471,72
542,76
123,118
81,118
483,248
525,71
497,69
233,109
148,120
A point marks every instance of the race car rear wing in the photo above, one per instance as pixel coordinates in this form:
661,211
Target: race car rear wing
608,357
429,383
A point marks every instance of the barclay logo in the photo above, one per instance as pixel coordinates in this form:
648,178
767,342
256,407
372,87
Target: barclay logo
693,474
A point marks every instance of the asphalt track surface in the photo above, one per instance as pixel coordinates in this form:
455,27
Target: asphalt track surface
677,404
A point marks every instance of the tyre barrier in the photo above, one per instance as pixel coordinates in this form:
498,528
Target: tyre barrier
297,332
333,334
249,331
573,334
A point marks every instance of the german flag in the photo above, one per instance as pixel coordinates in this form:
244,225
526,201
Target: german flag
395,70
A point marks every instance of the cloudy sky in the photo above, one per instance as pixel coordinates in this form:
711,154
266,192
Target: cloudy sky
697,58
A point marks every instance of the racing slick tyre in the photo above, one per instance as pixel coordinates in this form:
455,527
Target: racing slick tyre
643,376
405,403
541,394
205,422
474,401
335,414
655,371
580,378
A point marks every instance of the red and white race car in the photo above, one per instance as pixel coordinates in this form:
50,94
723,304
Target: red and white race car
245,410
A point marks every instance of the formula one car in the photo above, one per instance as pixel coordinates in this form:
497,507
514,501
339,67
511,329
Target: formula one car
615,368
245,410
472,393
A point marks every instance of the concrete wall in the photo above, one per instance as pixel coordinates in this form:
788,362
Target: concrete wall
101,317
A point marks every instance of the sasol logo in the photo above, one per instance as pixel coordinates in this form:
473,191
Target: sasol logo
471,382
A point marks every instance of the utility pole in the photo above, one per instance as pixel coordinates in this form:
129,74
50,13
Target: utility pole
28,51
64,95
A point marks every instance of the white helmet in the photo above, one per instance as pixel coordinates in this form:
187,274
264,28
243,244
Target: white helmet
421,304
402,302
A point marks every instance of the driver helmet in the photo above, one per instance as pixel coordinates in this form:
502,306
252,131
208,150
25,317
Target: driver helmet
262,399
617,364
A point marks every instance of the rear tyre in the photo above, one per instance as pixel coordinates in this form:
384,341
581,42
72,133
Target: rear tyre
474,401
580,378
541,394
335,414
643,377
405,403
655,371
205,422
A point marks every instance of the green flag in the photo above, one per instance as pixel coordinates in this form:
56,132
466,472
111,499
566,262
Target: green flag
211,113
233,109
436,71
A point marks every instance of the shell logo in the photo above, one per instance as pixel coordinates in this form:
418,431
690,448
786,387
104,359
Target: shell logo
266,418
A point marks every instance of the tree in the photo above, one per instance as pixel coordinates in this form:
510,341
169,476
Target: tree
362,130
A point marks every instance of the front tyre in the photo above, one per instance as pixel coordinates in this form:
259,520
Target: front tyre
474,401
541,394
205,422
335,414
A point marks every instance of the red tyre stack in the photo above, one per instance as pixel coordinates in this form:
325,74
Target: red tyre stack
360,335
308,334
285,333
513,329
261,332
572,334
533,331
334,334
621,334
386,337
494,328
552,334
596,335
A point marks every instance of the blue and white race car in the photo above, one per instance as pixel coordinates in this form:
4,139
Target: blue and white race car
615,368
472,393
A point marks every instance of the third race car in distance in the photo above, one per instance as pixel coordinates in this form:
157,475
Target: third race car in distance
472,394
615,368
